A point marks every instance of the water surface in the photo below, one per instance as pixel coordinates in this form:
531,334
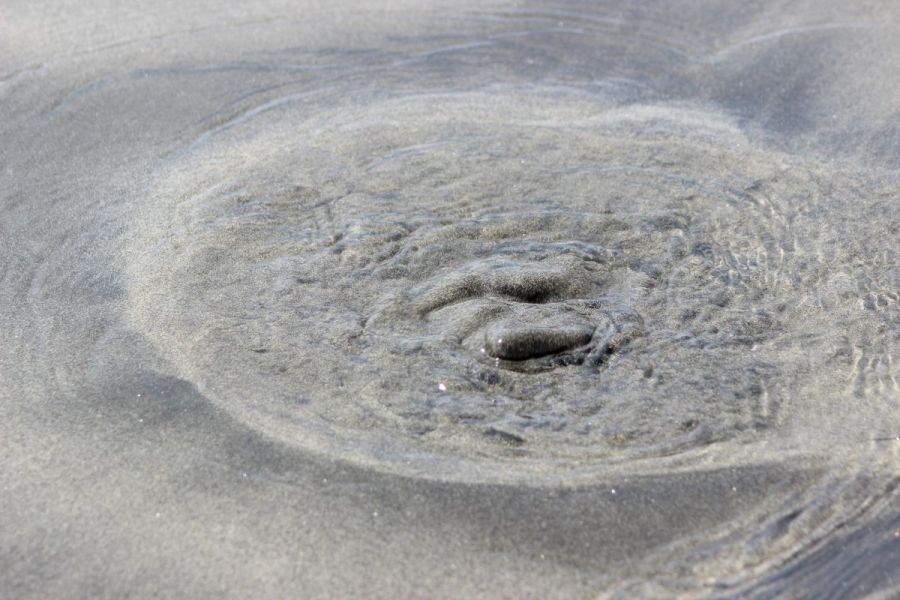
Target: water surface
544,299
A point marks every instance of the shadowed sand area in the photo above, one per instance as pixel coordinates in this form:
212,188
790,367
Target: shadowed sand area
442,299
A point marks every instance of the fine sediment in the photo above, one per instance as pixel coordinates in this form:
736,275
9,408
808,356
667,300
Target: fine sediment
430,299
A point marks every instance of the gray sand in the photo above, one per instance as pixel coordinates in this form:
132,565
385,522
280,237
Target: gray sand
415,299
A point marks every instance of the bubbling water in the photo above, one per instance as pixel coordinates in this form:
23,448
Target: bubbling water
493,284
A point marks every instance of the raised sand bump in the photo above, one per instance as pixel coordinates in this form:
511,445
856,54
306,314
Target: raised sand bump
513,341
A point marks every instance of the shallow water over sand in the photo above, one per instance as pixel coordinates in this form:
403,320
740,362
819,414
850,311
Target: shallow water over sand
508,281
591,299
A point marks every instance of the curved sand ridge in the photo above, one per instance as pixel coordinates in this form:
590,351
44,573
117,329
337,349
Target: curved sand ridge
506,284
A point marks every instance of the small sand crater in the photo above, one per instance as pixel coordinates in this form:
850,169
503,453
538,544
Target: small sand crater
576,309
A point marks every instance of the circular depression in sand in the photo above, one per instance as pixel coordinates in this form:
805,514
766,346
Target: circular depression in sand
491,285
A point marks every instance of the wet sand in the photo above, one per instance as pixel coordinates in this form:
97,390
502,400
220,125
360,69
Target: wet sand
447,300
